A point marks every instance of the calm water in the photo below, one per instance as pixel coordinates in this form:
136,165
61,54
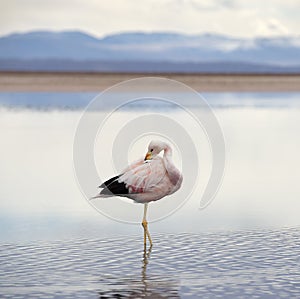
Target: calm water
256,264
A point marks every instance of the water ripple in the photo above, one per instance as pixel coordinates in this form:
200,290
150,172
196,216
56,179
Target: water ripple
258,264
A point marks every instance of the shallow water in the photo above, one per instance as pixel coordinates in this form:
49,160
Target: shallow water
256,264
259,195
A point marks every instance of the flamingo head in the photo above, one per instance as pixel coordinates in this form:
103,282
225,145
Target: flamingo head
154,148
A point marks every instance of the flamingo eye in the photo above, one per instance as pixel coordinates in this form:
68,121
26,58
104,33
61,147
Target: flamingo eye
151,150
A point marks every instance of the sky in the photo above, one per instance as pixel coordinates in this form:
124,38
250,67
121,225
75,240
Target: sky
240,18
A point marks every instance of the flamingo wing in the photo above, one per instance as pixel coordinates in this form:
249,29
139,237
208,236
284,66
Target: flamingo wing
108,182
137,178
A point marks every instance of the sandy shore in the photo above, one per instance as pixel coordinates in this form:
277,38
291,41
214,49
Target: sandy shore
94,82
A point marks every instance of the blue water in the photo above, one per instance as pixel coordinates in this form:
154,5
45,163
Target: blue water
75,101
242,264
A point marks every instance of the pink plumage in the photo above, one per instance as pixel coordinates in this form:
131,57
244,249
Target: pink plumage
148,179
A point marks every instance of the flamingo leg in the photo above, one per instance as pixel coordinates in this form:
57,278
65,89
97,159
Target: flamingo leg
145,226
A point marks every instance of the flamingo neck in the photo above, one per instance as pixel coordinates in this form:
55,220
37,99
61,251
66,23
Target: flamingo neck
173,172
167,152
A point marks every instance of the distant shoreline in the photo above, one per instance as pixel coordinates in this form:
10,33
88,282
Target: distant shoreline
12,81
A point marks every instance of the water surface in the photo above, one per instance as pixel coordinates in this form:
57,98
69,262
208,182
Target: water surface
53,244
243,264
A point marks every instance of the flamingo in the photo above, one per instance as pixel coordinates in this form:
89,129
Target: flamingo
148,179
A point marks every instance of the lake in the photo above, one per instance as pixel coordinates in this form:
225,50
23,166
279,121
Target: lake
252,264
54,244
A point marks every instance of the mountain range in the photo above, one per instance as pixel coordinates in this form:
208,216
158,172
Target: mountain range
148,52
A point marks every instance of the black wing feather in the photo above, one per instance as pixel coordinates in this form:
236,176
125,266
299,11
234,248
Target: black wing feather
112,186
115,188
108,182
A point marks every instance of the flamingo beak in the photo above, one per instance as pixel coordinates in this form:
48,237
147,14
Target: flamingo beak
148,156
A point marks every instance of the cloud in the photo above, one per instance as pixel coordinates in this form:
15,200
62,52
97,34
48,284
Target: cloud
229,17
206,4
271,27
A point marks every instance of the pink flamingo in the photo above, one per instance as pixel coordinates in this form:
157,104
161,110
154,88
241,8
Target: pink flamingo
148,179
